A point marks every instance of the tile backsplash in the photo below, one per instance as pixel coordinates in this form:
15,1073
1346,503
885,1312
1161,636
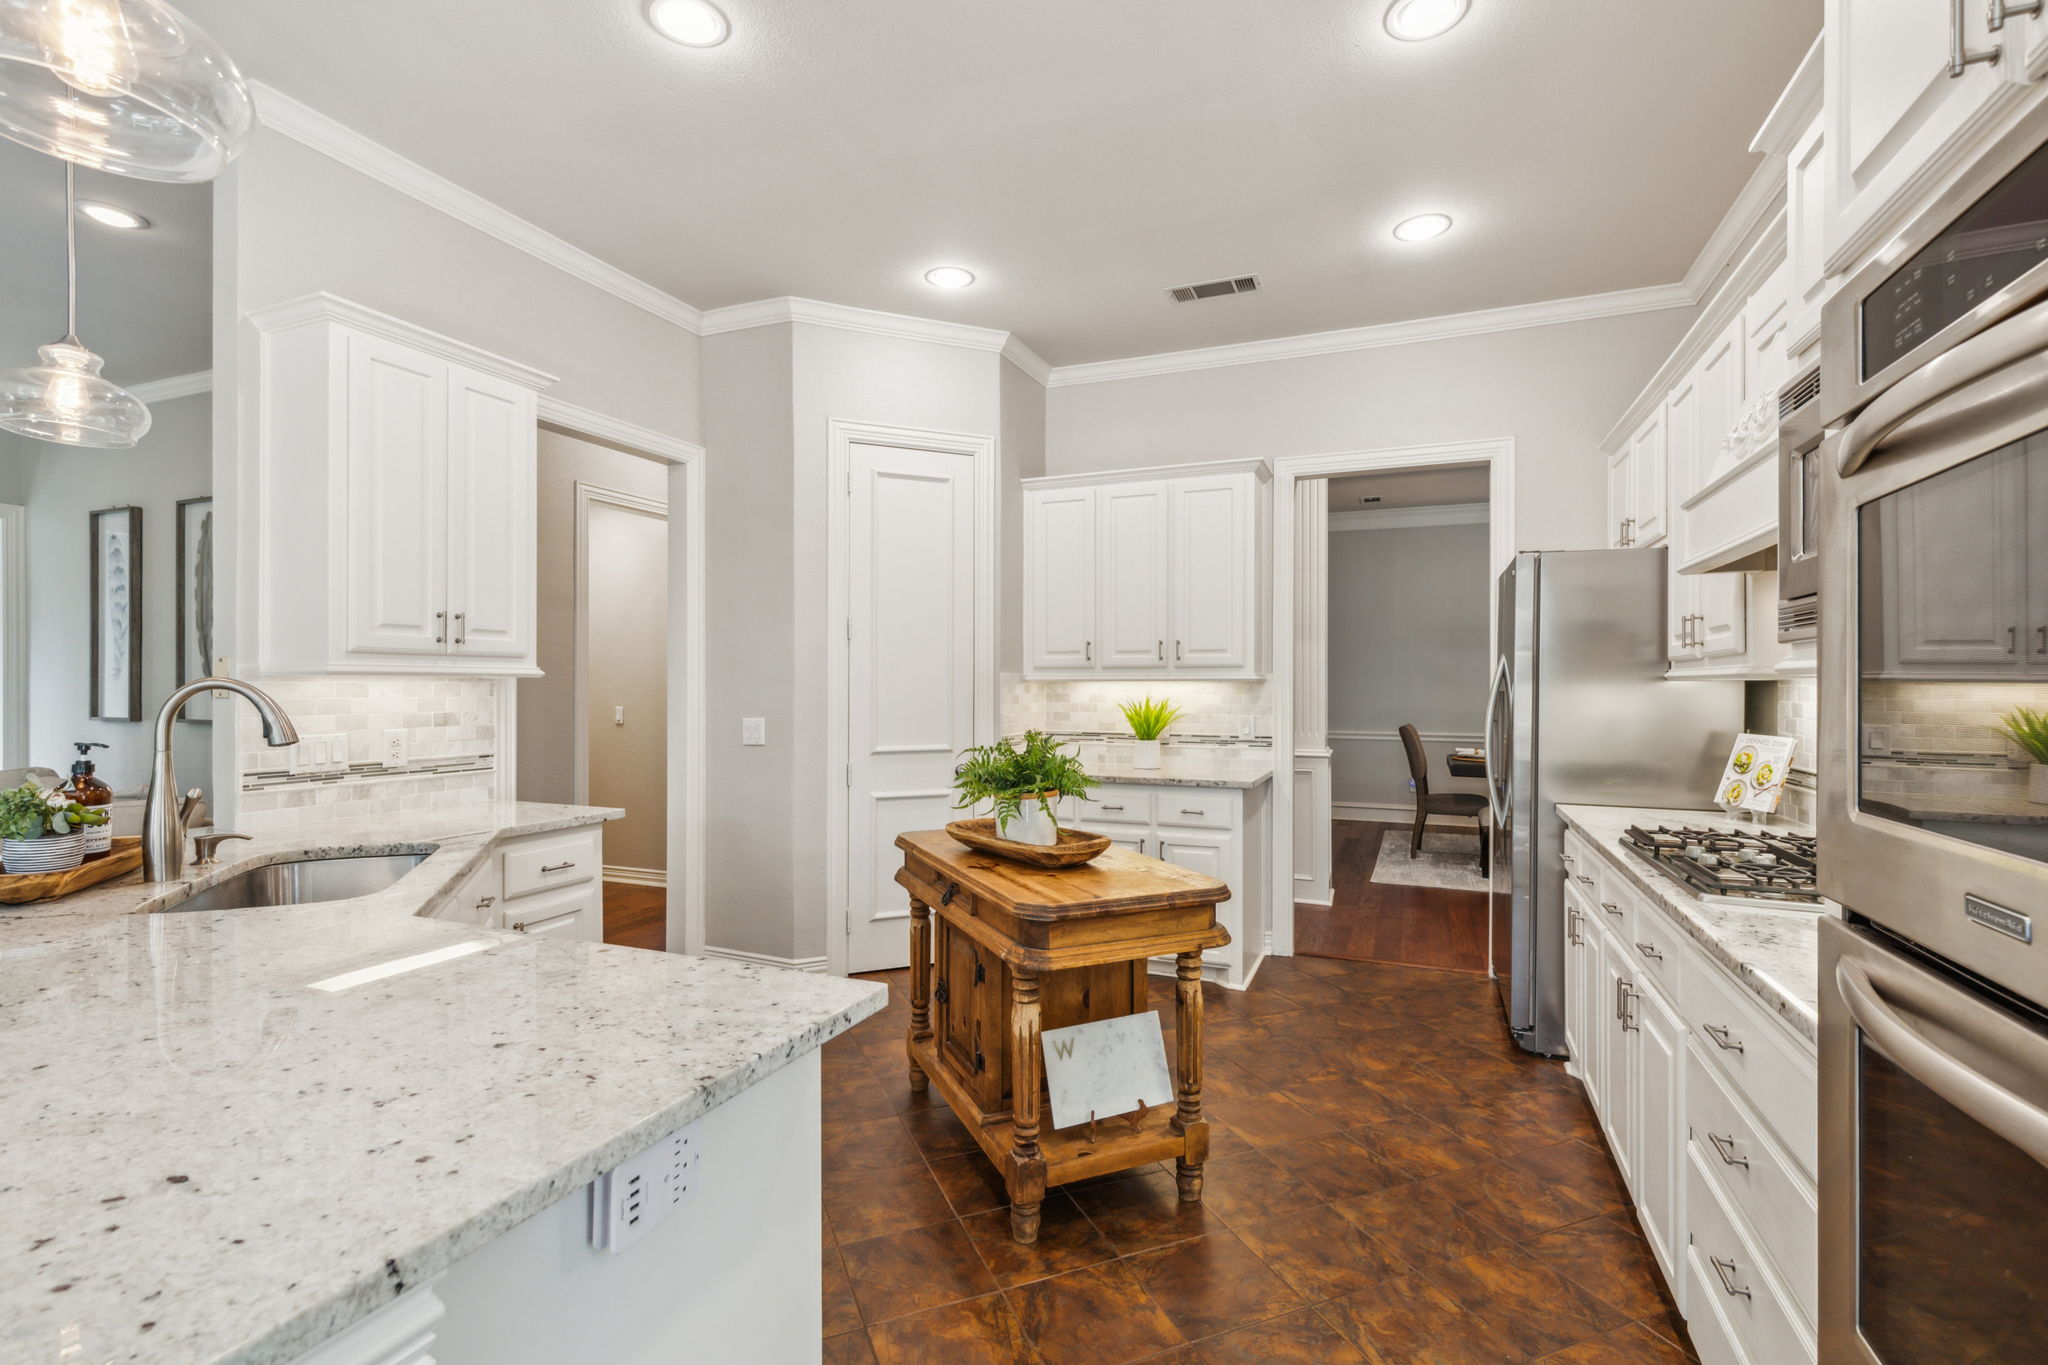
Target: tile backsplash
1799,716
448,726
1209,708
1940,740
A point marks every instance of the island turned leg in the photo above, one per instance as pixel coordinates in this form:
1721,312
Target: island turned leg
1187,1111
920,988
1026,1176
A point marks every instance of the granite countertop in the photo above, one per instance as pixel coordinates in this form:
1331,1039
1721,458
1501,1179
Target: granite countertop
1192,765
205,1160
1775,953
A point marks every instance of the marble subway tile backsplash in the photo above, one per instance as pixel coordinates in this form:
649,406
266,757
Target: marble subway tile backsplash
1942,741
1799,716
1210,708
449,728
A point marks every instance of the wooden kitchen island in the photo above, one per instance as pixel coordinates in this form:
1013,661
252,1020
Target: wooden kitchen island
1000,951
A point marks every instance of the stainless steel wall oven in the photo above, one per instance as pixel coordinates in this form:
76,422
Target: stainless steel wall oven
1932,514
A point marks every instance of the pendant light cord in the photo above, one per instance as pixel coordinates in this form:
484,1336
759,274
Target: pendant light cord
71,252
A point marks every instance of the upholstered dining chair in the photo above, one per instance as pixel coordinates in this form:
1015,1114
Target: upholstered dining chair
1428,803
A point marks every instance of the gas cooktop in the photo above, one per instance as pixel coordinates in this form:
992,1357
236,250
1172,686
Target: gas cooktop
1734,867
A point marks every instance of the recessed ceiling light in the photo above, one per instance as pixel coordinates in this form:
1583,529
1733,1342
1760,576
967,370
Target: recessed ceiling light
693,23
1413,20
111,215
1422,227
948,277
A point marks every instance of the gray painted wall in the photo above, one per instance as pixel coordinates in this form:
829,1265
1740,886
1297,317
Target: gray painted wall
1408,628
1555,390
61,487
1021,448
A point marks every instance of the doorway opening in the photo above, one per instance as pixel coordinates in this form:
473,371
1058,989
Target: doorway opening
594,729
1404,663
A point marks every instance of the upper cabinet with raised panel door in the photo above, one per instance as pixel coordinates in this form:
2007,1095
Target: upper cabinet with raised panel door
1636,487
394,492
1155,573
1910,85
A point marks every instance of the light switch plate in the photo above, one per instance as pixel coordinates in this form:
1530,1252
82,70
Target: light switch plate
753,729
1877,739
627,1201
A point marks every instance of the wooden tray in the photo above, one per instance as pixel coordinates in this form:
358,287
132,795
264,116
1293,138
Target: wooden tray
1074,848
47,886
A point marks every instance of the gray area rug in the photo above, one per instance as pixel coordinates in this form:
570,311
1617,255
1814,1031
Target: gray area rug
1449,860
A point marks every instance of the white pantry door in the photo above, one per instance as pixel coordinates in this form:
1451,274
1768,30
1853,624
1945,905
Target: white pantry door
910,674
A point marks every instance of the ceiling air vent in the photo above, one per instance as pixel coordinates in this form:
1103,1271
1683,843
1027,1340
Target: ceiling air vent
1215,289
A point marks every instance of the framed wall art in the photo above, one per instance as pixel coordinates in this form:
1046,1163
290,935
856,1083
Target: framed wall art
195,601
117,614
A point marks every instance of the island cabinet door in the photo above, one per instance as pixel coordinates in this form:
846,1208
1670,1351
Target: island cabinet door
968,1017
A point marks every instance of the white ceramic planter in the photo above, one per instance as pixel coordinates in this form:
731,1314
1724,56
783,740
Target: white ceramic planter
1032,826
1146,755
2037,784
48,854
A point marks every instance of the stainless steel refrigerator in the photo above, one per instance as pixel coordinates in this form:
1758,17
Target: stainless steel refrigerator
1582,714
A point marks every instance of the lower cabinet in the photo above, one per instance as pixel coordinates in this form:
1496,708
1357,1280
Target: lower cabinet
1708,1105
549,883
1220,832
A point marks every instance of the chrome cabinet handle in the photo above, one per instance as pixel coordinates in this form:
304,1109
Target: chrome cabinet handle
1159,647
1176,651
1960,57
1583,879
1185,811
1998,11
1649,950
1719,1033
1088,651
1568,859
1725,1147
1620,989
556,867
487,902
1611,908
442,638
461,629
1571,928
1629,996
519,926
1109,808
1726,1269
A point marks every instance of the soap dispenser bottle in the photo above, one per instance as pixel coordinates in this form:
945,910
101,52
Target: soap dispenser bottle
88,789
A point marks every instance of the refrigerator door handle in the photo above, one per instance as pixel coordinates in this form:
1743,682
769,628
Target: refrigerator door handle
1498,762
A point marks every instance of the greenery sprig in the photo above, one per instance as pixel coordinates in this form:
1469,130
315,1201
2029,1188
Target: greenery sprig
1007,776
2028,728
30,812
1148,719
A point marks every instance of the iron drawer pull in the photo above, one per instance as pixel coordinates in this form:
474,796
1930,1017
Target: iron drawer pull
1583,879
1725,1146
2041,634
487,902
1159,646
1719,1033
1611,908
952,890
1185,811
1649,950
519,926
1726,1271
2012,639
1109,808
556,867
1088,651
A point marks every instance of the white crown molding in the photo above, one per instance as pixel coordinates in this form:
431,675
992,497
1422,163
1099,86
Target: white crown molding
582,421
176,386
323,307
1513,318
1026,359
1395,518
1762,197
1797,107
768,312
795,964
310,127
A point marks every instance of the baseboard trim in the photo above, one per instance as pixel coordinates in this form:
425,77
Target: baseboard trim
794,964
636,876
1392,815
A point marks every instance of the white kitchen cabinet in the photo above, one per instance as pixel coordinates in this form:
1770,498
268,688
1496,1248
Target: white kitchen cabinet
1723,388
1220,832
1657,1064
394,492
1636,487
1147,574
1896,117
1581,961
1614,1001
1620,497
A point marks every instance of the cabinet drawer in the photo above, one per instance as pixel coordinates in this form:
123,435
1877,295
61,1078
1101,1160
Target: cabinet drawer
577,912
1583,868
1657,945
1115,805
1614,908
1727,1280
1764,1064
1761,1183
1196,808
544,864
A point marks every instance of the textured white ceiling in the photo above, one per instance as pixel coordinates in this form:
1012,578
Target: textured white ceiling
1438,487
144,298
1081,157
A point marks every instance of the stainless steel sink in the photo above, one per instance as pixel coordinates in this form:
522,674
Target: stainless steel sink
305,882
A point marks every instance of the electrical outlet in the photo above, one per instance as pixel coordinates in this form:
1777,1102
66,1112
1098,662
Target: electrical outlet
627,1201
753,729
397,748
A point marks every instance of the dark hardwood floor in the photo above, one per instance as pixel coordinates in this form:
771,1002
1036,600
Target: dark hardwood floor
636,916
1391,1182
1417,926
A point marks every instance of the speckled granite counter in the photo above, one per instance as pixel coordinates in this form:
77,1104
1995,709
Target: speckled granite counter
1775,953
1193,765
202,1159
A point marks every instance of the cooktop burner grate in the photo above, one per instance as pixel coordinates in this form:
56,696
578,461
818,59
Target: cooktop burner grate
1760,864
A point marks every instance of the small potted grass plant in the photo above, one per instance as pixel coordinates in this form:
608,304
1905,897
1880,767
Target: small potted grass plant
43,830
2028,728
1148,720
1021,785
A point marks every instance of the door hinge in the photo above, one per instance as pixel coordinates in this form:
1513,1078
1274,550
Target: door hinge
849,774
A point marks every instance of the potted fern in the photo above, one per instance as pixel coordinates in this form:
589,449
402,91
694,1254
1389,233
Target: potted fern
1021,785
1148,720
2028,728
43,831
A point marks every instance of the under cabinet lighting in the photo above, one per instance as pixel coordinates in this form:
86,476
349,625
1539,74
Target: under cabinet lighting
111,215
399,966
1414,20
1422,227
948,277
693,23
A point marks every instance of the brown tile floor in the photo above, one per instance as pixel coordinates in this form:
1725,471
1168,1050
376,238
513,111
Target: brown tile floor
1390,1182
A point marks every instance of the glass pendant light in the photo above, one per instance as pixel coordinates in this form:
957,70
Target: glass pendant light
128,86
65,399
